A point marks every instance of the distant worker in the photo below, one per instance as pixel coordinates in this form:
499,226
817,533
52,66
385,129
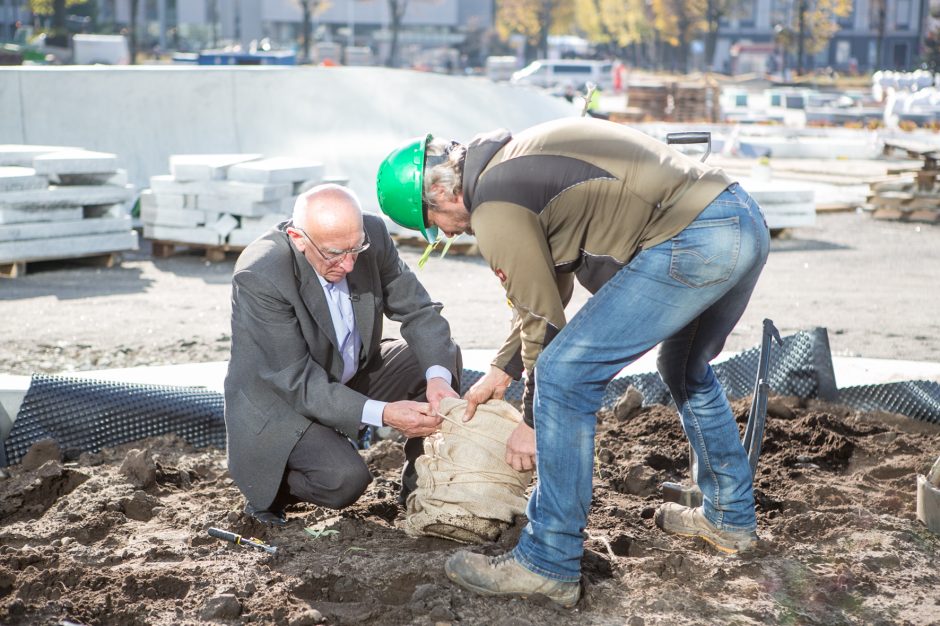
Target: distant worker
309,370
671,250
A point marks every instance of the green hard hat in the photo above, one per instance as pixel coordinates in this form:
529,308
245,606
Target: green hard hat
400,186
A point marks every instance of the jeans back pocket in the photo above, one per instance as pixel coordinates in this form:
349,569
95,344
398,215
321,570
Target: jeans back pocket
706,252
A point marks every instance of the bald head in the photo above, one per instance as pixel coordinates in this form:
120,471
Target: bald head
327,222
328,211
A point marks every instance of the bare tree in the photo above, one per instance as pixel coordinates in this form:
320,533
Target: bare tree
310,8
132,28
396,14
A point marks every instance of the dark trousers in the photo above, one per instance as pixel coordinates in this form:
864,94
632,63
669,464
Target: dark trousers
324,467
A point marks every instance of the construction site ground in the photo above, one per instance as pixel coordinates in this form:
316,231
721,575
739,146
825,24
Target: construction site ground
120,538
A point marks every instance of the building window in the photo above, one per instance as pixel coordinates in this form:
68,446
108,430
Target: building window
745,14
902,19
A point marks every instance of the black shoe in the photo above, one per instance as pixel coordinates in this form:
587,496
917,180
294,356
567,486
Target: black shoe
267,517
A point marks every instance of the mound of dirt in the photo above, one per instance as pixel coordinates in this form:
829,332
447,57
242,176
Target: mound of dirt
119,537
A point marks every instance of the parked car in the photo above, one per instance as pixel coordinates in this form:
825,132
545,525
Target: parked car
550,73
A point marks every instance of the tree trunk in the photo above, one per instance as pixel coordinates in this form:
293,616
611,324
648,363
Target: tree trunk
801,40
306,26
713,18
58,17
396,11
132,27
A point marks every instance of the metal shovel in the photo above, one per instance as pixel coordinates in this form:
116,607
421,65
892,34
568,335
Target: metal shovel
690,495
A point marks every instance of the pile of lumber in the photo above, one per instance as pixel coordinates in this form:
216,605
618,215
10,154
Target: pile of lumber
223,201
673,101
61,203
909,194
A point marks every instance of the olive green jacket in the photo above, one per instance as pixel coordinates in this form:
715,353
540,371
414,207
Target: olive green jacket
572,198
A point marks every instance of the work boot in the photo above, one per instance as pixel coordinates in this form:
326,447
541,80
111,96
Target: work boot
691,522
503,576
268,517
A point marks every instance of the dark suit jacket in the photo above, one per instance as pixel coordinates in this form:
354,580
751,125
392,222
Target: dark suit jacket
285,366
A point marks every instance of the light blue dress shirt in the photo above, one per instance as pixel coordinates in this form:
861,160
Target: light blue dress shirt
344,324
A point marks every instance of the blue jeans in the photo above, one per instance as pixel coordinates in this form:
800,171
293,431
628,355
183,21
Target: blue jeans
686,294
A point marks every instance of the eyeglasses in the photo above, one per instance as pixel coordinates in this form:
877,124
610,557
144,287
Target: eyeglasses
335,257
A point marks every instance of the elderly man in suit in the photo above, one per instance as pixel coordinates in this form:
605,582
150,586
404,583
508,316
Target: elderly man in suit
309,370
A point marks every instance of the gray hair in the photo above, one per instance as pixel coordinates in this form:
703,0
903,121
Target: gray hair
443,166
299,216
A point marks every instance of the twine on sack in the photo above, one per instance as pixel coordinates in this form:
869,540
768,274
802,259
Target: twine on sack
466,491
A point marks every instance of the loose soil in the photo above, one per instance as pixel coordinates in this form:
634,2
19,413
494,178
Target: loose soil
119,537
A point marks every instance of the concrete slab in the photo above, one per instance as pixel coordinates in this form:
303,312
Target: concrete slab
23,155
245,206
200,235
174,201
253,192
165,183
244,236
67,247
224,225
64,228
13,178
63,196
276,170
789,215
190,167
31,215
328,114
76,162
183,218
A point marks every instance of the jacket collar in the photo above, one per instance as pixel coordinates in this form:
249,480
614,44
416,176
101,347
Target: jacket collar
479,153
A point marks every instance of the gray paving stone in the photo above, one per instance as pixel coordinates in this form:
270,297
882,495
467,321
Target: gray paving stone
224,225
67,247
23,155
198,235
27,215
276,170
185,218
65,228
13,178
65,196
191,167
244,236
73,162
165,183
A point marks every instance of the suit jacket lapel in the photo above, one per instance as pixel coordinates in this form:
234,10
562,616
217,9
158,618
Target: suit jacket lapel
312,293
363,300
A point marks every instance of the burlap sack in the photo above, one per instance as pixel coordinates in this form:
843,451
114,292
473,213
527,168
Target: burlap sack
466,490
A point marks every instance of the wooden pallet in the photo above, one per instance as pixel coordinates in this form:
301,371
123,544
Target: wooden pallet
923,216
214,253
18,269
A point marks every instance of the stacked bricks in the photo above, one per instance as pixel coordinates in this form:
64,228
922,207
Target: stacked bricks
224,200
61,203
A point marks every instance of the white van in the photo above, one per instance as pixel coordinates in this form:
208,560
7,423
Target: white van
556,73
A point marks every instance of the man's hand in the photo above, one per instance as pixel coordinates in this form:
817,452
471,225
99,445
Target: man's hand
413,419
520,448
492,385
438,389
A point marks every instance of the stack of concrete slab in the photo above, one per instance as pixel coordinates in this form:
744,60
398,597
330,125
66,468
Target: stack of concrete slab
61,203
224,199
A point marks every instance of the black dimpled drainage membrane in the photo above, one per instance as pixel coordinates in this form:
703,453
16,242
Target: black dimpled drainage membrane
85,415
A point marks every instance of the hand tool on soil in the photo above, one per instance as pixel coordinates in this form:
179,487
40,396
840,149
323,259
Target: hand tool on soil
237,539
690,495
